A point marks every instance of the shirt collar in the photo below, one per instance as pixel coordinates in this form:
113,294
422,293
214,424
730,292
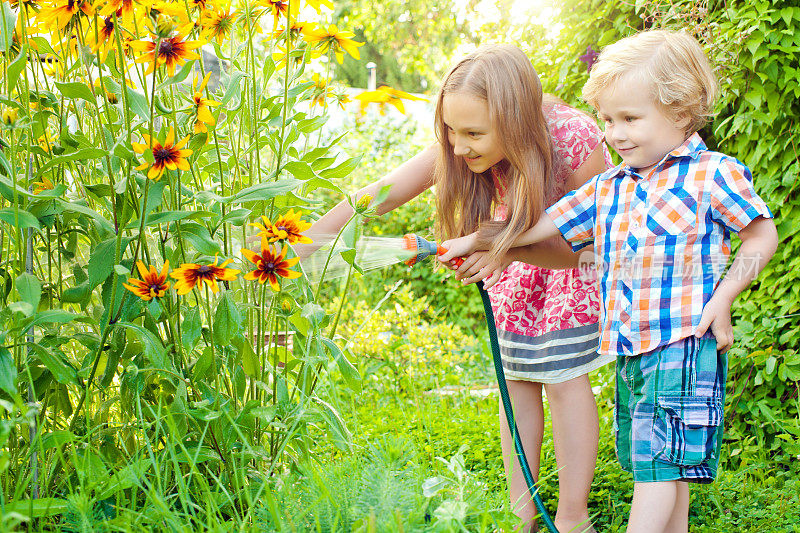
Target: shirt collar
691,147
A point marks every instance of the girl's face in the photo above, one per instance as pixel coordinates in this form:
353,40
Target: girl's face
470,131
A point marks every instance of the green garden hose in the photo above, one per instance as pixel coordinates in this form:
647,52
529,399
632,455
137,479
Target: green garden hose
507,407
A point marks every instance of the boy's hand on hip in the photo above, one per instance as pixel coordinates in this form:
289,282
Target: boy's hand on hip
717,316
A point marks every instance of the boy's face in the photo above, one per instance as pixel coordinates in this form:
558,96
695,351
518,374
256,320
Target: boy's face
470,131
636,127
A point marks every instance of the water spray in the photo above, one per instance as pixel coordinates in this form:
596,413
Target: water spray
411,249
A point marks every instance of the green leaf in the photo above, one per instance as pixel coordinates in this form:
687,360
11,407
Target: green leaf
62,372
7,29
29,289
17,66
165,217
233,87
75,89
349,372
199,237
53,316
80,208
38,508
79,294
83,155
336,426
8,372
226,320
19,218
191,329
101,260
299,169
262,191
250,363
153,349
341,170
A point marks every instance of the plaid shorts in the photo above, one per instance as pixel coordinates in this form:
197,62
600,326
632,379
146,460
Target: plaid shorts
668,413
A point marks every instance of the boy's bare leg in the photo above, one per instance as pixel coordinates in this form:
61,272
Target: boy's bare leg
653,506
575,435
679,521
526,397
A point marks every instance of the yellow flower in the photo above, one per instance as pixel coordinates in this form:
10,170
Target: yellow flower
339,41
152,285
46,141
61,12
316,4
172,52
98,88
189,274
217,24
288,227
41,186
104,40
280,8
270,265
385,95
165,156
297,55
9,115
322,92
125,9
203,116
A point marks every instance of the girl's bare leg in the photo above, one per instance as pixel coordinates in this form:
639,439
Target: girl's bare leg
575,435
526,397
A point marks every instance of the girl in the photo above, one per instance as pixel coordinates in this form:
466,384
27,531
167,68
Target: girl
505,152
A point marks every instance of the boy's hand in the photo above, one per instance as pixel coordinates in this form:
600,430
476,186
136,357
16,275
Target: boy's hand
459,247
717,315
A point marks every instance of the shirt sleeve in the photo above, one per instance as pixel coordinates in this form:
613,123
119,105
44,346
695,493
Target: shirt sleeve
574,215
734,202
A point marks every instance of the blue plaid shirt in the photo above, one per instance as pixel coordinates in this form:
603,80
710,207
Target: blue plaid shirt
662,241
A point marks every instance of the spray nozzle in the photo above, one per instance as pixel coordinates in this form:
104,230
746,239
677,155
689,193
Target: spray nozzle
423,248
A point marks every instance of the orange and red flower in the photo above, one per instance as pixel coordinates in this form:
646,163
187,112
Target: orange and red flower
152,285
172,52
202,111
168,155
270,265
288,227
189,274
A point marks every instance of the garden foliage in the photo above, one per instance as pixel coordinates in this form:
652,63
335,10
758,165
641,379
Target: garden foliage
162,357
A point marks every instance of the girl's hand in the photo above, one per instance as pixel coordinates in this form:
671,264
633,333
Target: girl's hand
459,247
717,316
477,267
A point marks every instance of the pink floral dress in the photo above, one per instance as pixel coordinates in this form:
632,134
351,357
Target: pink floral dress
547,320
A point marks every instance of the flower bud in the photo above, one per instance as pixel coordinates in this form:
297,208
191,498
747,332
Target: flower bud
9,115
363,203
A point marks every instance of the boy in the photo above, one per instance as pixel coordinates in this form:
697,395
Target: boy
661,224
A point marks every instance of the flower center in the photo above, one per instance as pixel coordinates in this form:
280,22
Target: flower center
269,266
165,48
205,269
162,154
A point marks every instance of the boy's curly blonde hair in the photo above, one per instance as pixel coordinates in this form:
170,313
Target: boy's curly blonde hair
671,62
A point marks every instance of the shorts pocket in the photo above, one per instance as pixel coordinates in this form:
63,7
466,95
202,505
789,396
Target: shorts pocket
690,428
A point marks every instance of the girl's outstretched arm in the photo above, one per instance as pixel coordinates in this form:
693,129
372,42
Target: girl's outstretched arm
407,181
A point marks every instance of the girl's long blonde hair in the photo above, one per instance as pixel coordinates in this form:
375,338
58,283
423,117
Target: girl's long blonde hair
503,76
